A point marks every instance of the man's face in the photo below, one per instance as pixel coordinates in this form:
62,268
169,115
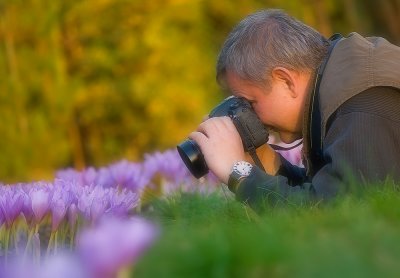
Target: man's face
277,107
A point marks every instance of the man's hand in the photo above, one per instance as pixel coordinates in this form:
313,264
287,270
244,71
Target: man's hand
220,144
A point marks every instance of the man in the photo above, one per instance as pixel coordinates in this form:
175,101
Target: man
342,96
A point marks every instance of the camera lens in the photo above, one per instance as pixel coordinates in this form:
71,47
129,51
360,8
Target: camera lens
193,158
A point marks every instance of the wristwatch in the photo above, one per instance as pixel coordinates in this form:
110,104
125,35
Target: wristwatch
240,170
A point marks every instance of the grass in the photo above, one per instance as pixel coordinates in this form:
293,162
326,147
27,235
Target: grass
216,236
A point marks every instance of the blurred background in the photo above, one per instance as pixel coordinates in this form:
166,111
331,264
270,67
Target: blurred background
86,83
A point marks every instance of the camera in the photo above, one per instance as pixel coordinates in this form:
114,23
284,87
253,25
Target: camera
251,130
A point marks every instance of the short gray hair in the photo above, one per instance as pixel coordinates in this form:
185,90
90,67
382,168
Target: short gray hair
265,40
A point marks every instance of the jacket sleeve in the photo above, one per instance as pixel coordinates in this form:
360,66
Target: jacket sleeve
362,146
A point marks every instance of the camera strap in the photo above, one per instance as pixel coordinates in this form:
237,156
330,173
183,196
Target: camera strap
280,148
254,156
316,154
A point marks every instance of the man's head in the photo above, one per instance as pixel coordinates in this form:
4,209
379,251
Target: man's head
268,58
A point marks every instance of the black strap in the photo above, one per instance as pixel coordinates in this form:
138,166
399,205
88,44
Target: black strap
280,148
315,124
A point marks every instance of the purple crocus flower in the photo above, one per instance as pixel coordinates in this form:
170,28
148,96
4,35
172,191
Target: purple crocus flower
104,178
96,201
169,164
65,205
175,175
114,244
122,202
71,189
2,218
86,199
162,169
27,210
62,265
127,175
88,176
17,267
82,178
69,174
40,195
58,206
11,203
100,203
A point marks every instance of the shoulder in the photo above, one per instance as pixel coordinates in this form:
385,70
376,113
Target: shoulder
382,100
356,65
371,117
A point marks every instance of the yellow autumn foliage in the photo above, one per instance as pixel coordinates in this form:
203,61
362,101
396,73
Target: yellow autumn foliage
85,83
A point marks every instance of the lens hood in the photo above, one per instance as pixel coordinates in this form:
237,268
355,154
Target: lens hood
193,158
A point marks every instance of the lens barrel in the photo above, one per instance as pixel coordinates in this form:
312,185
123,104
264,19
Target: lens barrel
193,158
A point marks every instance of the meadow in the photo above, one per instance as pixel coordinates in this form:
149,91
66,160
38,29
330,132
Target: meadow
215,236
153,219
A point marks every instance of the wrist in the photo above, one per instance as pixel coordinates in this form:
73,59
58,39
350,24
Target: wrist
240,171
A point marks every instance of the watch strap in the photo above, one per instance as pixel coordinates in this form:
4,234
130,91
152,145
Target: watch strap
234,181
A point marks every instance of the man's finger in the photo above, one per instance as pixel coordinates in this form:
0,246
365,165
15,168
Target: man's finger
199,137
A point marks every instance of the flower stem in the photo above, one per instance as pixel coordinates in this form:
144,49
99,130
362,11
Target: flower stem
55,241
15,239
64,232
28,243
72,238
37,251
49,244
6,242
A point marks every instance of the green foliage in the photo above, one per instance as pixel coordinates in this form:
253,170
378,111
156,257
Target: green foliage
215,236
88,82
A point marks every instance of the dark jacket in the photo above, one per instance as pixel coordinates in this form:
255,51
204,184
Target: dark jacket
359,103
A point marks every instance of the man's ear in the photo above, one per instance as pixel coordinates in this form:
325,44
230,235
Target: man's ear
287,78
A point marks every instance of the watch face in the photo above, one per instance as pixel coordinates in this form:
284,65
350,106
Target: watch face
243,168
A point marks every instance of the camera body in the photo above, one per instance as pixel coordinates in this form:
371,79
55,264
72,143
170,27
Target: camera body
251,130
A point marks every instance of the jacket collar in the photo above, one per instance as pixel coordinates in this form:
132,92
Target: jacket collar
306,125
